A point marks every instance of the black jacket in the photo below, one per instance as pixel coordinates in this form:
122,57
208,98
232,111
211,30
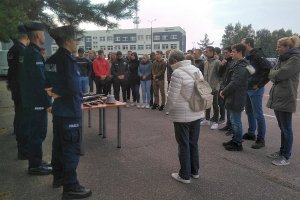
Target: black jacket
262,67
235,91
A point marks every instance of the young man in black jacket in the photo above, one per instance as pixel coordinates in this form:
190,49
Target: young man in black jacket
234,94
256,83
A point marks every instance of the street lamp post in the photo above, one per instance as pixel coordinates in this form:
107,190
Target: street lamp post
153,20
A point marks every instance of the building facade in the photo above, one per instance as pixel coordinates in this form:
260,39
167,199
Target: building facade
137,40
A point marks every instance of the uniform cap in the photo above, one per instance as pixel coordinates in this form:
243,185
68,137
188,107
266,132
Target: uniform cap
22,29
64,33
35,26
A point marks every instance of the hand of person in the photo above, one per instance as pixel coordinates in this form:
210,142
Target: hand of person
49,91
224,61
255,87
144,77
55,96
49,109
103,77
121,77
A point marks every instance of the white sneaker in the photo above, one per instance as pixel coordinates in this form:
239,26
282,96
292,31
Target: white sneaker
167,113
178,178
214,126
281,161
195,176
133,104
147,106
138,105
205,123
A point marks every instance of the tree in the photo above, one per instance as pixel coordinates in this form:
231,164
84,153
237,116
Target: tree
263,39
205,42
234,34
67,12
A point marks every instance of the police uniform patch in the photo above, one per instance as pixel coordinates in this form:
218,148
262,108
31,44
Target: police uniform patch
21,59
39,63
50,68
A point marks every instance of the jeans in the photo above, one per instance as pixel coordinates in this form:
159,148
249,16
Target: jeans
228,123
85,85
255,113
146,91
284,120
237,128
187,135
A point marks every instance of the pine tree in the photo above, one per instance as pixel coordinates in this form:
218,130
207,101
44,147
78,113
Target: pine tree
205,42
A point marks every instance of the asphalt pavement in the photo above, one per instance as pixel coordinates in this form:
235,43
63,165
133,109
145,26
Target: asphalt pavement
141,169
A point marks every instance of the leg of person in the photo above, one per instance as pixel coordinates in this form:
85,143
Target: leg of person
250,135
144,95
221,108
182,138
162,93
236,121
57,158
70,139
37,136
97,81
20,131
194,151
148,93
137,92
124,86
215,118
151,94
116,85
156,95
206,121
256,103
284,120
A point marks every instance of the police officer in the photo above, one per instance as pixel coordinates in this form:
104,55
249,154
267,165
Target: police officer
35,101
63,74
14,60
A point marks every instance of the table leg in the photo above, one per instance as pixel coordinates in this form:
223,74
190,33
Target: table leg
89,119
119,127
100,122
81,134
104,123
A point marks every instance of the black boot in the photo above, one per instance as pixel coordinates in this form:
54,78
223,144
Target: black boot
78,192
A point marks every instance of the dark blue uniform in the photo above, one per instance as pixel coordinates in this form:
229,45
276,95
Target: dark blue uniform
63,75
15,59
35,102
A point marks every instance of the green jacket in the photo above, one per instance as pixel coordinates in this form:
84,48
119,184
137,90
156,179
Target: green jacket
285,78
32,80
159,68
211,73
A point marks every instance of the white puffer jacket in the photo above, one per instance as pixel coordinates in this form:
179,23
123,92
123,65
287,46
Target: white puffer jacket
181,84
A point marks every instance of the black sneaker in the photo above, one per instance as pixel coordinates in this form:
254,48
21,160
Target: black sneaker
227,143
78,192
161,108
40,170
258,144
249,136
234,147
221,120
225,128
155,106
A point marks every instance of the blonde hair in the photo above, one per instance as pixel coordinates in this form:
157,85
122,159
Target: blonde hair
291,42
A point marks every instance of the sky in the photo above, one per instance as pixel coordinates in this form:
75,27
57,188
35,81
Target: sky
198,17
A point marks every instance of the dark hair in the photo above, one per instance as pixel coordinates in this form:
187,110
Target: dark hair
159,52
227,49
210,48
250,41
239,48
217,50
100,52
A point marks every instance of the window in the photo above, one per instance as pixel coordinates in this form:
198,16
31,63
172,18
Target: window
109,47
148,37
95,38
132,47
156,37
109,38
88,39
140,47
173,46
95,42
165,37
102,38
125,47
140,37
95,47
117,39
124,39
156,46
132,38
117,47
164,46
148,46
173,37
102,47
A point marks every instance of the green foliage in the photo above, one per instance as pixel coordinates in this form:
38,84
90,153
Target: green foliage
67,12
205,42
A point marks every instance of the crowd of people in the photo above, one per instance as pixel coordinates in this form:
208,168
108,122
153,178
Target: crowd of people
236,74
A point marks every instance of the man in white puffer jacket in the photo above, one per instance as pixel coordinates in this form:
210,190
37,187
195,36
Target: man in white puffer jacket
186,122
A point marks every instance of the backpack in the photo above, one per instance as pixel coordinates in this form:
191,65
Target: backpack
201,98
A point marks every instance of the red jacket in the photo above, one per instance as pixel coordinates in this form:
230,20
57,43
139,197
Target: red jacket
101,67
